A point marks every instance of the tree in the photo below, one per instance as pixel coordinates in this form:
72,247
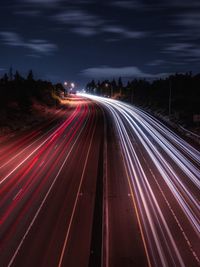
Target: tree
11,74
5,78
120,84
18,77
91,86
30,76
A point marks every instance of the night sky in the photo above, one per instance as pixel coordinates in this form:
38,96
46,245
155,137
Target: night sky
84,39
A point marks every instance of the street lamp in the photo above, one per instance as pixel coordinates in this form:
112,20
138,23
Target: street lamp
65,88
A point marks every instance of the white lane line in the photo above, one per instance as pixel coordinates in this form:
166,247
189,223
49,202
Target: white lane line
133,198
51,136
44,200
76,201
17,194
18,154
105,219
41,163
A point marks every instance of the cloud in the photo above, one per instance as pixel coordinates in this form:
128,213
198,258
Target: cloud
36,56
11,38
128,4
42,47
104,72
175,47
124,33
85,31
86,24
78,18
172,35
36,45
156,62
187,51
28,13
191,20
183,3
43,2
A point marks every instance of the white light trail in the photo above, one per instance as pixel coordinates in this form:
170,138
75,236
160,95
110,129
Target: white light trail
164,171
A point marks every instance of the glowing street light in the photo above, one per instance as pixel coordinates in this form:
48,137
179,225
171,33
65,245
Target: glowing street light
72,85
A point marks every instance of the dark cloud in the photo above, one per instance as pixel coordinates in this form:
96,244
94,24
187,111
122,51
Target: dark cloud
121,31
37,45
156,62
104,72
189,20
128,4
11,38
43,2
78,18
86,24
84,31
29,13
186,51
183,3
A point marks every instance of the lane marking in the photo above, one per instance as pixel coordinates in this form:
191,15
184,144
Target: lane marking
44,200
76,201
17,194
41,163
37,148
6,163
105,228
137,214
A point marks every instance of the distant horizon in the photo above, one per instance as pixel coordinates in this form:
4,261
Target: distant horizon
38,76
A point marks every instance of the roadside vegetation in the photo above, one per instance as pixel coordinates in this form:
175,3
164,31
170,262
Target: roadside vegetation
25,101
176,97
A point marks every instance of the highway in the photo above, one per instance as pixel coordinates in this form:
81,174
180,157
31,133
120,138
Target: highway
163,173
102,184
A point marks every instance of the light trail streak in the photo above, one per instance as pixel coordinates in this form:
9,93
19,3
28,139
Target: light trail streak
165,177
36,171
48,139
19,145
60,263
42,204
37,179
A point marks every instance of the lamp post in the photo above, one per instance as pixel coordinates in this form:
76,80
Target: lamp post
65,87
72,86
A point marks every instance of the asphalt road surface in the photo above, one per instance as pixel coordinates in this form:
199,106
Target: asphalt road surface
102,184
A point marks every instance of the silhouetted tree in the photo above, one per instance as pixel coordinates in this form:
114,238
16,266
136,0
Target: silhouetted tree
17,77
120,84
5,78
11,73
30,76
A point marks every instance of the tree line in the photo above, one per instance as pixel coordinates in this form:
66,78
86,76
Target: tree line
177,94
19,91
